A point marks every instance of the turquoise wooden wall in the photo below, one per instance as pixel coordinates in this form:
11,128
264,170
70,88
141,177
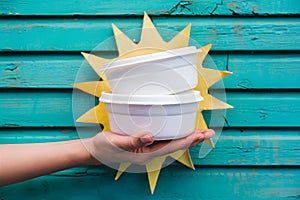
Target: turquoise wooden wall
258,154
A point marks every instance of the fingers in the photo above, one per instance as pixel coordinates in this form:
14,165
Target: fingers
207,134
132,142
138,149
183,143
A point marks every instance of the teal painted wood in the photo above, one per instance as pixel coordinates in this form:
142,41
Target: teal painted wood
246,147
174,183
37,135
263,109
230,171
44,71
250,71
253,147
171,7
83,34
54,108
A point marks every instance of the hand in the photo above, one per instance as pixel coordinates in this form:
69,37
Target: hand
110,147
103,148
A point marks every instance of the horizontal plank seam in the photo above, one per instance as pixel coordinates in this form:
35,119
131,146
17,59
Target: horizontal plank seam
39,16
74,53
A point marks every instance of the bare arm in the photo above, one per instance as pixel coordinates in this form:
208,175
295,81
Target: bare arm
21,162
25,161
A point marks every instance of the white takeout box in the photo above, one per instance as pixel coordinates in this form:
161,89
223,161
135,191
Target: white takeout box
165,116
166,72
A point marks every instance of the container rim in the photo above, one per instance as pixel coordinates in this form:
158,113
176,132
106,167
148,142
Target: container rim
179,98
150,58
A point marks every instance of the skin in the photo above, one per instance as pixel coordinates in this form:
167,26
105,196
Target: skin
19,162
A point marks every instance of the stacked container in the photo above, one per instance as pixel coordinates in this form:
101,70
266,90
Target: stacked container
153,93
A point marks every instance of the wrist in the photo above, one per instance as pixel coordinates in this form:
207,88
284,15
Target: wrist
79,153
88,145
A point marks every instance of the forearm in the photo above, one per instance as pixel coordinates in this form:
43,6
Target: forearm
21,162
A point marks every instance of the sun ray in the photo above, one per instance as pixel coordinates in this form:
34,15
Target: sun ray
212,103
212,76
98,115
180,40
150,37
153,169
202,54
124,43
95,62
122,168
184,157
94,87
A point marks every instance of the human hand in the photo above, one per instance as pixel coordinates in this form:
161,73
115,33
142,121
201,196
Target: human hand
106,148
110,147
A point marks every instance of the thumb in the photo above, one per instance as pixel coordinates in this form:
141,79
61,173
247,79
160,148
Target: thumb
136,141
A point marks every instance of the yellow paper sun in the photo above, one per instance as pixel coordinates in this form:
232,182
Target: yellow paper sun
151,42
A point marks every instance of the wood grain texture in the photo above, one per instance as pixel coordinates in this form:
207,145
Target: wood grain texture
251,71
257,154
60,70
54,108
253,147
171,7
84,34
174,183
245,147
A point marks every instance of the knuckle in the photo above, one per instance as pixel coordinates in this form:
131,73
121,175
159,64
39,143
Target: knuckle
133,144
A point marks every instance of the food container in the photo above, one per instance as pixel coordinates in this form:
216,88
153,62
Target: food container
165,116
166,72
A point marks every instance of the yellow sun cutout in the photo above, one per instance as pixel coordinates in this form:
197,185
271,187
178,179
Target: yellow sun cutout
152,42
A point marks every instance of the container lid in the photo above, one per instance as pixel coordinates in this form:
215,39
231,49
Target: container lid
150,57
180,98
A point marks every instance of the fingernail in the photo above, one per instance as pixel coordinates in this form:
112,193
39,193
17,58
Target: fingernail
146,139
209,133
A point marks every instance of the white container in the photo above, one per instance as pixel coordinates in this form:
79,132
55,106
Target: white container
165,116
167,72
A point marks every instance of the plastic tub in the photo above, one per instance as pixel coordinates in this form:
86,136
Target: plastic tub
165,116
167,72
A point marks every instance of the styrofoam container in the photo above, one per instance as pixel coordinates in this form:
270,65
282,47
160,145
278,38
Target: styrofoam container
166,72
165,116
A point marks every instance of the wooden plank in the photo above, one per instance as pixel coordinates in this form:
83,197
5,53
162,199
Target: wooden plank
252,147
54,108
174,183
247,147
36,135
257,71
171,7
250,71
257,109
43,71
84,34
38,108
240,33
